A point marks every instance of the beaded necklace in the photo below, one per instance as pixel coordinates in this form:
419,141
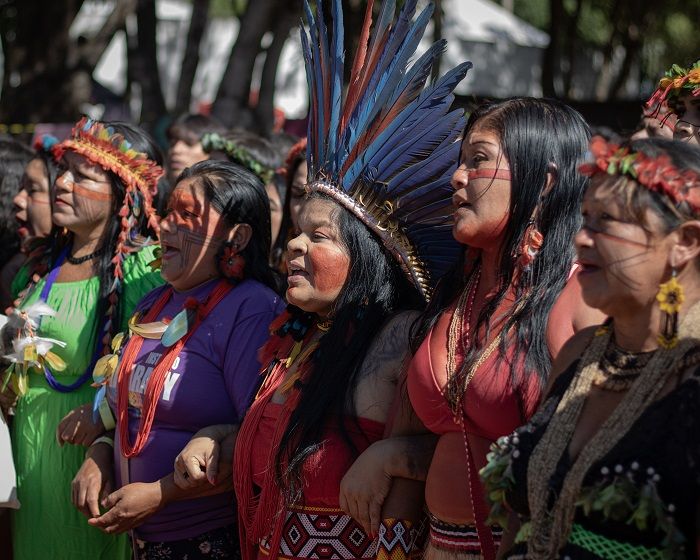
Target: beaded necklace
552,515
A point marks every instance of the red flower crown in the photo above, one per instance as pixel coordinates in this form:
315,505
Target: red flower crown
656,174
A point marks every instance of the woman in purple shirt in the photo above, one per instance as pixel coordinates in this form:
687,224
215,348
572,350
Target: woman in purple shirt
189,361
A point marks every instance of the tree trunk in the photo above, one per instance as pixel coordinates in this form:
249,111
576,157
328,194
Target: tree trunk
145,69
35,43
550,59
190,61
571,37
605,75
231,104
284,22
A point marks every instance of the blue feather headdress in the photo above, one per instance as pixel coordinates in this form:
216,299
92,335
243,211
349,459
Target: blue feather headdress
387,151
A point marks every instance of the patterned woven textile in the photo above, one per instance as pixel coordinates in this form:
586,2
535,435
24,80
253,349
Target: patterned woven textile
315,532
458,538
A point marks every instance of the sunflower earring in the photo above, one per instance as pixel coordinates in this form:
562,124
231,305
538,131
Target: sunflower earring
670,298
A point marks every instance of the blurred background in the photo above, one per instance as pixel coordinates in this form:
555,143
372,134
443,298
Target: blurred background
240,60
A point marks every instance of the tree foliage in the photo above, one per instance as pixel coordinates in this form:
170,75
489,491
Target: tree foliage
637,40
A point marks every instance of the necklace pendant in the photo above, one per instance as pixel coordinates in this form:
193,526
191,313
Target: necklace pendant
178,327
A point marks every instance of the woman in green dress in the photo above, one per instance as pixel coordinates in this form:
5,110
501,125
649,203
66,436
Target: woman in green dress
77,291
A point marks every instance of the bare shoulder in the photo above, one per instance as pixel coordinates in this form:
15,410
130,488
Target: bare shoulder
382,368
570,352
391,346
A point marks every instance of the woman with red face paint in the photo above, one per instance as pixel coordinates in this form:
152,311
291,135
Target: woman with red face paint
189,360
609,467
372,236
484,347
82,286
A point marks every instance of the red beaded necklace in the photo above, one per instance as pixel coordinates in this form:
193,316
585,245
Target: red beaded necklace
156,382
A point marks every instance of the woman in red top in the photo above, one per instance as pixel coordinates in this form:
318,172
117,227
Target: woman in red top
484,346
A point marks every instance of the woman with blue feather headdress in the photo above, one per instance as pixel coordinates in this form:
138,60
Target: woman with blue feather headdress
371,240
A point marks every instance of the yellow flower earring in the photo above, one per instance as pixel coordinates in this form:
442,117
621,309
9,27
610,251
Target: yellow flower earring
670,298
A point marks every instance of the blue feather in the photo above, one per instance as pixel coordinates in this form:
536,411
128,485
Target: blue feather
439,93
336,76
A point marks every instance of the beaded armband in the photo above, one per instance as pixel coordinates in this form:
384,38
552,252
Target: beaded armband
395,539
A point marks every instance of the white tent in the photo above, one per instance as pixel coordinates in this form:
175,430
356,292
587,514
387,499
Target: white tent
505,50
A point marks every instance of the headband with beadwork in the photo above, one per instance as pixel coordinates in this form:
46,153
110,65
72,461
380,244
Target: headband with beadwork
386,150
658,174
103,146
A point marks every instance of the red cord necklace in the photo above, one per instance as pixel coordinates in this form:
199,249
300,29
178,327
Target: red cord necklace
156,382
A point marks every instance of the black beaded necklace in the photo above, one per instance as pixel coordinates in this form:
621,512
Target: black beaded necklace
80,260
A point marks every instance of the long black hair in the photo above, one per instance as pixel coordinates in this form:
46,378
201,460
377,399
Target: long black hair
376,288
278,250
537,136
239,196
14,157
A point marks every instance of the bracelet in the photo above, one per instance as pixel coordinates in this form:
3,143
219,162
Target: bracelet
104,439
106,415
395,539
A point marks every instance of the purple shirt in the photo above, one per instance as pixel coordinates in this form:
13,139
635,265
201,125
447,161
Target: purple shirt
213,381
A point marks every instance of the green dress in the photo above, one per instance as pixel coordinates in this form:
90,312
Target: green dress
47,525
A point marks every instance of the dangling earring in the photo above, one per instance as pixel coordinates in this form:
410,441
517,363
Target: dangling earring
670,298
231,263
529,247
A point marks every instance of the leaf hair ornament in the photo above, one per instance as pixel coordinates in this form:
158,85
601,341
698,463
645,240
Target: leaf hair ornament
214,142
386,150
657,174
675,81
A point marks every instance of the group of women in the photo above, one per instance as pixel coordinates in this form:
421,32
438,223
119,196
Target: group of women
486,344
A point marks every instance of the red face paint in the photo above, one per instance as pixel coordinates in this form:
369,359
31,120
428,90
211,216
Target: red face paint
503,174
330,268
92,194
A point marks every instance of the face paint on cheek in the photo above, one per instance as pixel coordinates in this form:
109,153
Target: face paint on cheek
330,268
193,243
494,174
616,238
79,190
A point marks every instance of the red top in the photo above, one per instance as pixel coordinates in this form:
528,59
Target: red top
315,527
493,406
324,471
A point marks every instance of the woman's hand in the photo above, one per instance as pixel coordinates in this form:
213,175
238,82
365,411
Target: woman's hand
199,460
78,428
366,485
94,480
129,507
